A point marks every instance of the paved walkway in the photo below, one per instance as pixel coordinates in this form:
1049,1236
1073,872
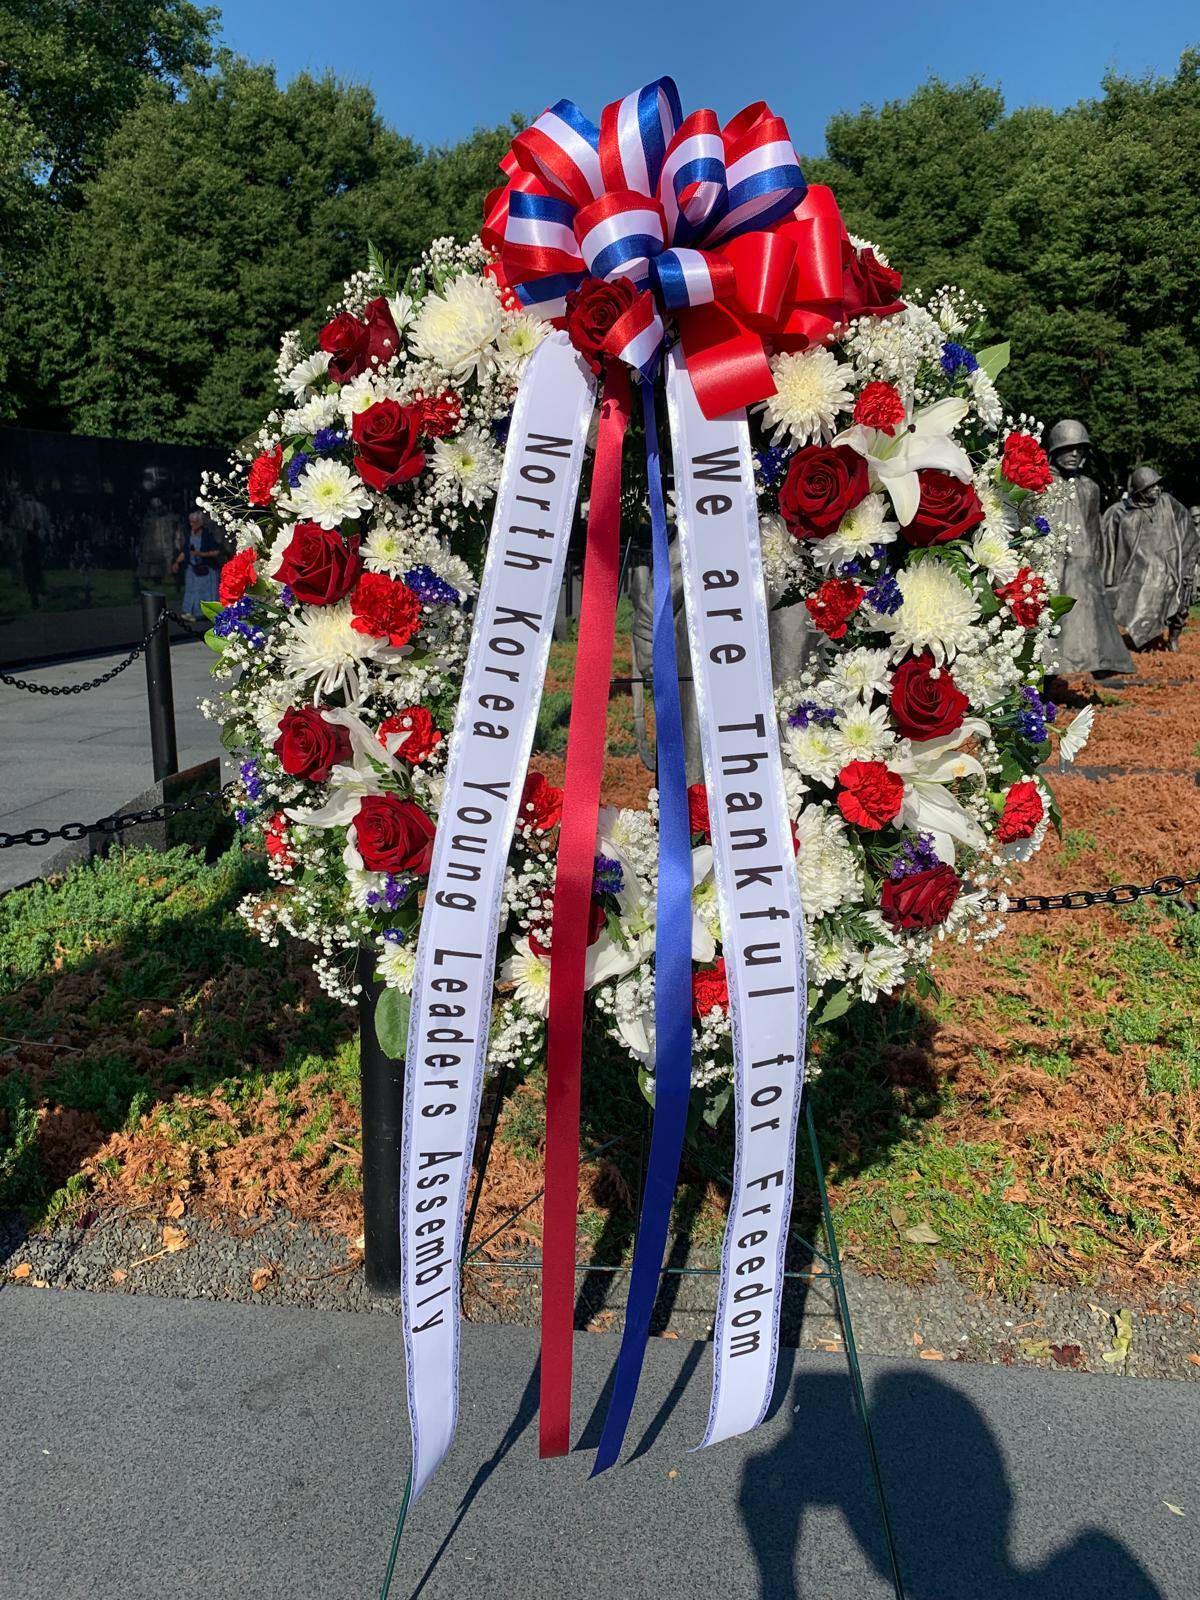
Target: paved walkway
75,758
159,1448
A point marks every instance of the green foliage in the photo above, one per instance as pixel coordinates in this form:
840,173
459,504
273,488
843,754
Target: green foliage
20,1176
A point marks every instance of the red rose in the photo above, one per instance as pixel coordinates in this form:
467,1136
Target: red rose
949,508
1023,811
237,575
419,736
386,608
308,746
592,312
441,414
922,900
869,287
387,438
871,795
879,406
1025,464
698,809
264,475
393,835
276,840
541,804
834,603
1025,596
710,989
319,566
926,702
823,482
345,338
382,339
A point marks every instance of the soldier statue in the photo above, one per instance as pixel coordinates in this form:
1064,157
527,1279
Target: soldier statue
1151,538
1089,640
1191,573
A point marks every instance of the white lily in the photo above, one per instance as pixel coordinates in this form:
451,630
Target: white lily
352,780
922,440
1077,735
705,913
927,768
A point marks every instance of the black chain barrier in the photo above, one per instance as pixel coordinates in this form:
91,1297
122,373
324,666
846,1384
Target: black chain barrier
1121,894
82,688
73,831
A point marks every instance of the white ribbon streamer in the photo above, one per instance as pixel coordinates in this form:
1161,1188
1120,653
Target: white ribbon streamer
758,893
456,951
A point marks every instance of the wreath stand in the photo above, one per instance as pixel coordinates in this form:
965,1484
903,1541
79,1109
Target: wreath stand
383,1116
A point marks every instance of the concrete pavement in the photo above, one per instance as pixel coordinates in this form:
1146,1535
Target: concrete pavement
167,1448
75,758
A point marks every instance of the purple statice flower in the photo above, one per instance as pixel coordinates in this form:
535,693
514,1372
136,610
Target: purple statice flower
372,897
234,619
286,598
296,466
327,440
771,463
394,935
395,891
849,569
251,781
500,426
1032,718
916,855
241,816
1050,709
809,714
607,877
429,589
1042,526
884,596
957,358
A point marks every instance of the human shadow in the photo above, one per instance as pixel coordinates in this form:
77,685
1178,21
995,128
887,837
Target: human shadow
949,1493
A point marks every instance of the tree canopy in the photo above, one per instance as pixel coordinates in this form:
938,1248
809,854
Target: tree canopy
167,209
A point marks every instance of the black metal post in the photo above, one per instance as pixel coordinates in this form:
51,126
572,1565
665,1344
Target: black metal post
159,691
382,1127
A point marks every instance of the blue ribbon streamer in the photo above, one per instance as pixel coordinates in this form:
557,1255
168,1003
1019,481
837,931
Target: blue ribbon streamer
672,974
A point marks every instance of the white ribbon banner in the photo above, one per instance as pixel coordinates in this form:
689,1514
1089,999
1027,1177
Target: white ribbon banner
762,927
456,952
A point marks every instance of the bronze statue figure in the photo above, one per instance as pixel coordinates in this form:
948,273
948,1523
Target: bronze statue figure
1089,640
1152,540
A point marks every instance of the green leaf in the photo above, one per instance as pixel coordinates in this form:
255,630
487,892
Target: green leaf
211,608
989,604
715,1109
994,359
836,1006
214,642
1060,604
231,737
391,1022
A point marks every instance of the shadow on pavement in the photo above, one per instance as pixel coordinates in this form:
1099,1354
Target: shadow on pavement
949,1492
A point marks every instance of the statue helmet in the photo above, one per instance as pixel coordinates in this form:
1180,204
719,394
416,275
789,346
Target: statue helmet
1144,478
1064,434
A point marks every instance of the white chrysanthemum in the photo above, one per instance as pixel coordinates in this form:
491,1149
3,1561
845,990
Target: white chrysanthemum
828,956
395,964
307,372
991,551
857,675
402,309
328,493
813,752
879,970
519,340
867,525
782,561
810,389
466,468
457,330
360,394
825,864
937,613
320,647
385,549
862,734
321,412
531,977
987,400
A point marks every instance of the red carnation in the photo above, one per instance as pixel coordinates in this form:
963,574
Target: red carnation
419,736
834,603
948,509
879,406
1023,811
276,840
823,482
1025,596
698,821
541,804
309,747
386,608
264,475
393,835
237,575
1025,464
921,900
871,794
386,435
710,989
869,287
319,566
441,414
926,702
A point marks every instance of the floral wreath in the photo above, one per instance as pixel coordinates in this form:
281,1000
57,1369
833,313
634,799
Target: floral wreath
913,521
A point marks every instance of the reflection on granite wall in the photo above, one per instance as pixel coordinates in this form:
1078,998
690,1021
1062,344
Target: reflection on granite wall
85,524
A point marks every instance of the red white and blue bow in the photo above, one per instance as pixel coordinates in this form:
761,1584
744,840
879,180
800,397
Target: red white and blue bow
715,224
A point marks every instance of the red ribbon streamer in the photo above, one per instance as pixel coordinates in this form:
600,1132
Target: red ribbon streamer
572,900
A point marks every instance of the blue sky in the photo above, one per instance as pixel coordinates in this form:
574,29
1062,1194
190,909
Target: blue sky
440,69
